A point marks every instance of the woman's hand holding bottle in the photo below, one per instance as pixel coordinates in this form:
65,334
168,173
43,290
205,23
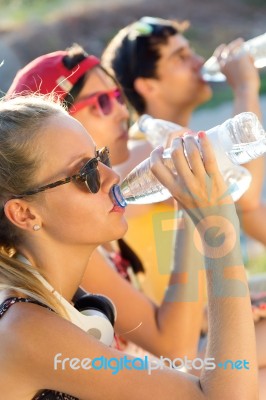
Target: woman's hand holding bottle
198,185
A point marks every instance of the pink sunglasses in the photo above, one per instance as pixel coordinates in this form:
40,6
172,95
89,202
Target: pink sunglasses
102,100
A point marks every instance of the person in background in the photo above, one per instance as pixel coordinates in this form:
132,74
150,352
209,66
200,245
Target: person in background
93,98
56,209
161,75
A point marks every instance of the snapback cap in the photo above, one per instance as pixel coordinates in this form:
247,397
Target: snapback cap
48,74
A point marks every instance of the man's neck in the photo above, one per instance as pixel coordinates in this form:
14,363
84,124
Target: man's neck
179,116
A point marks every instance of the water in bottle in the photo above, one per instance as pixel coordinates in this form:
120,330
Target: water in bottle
159,136
238,140
256,47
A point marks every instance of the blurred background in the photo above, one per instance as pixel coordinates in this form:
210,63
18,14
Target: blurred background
29,28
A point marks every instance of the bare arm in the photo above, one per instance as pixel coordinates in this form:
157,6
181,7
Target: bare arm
230,312
244,80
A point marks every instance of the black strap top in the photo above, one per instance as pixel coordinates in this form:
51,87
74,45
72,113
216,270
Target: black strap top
52,395
42,394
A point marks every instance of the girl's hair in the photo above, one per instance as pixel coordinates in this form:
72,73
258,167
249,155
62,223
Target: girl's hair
22,121
75,55
129,254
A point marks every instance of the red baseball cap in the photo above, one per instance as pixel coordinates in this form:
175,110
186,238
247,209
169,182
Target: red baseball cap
48,74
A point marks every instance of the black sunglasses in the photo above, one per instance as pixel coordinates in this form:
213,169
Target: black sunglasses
89,174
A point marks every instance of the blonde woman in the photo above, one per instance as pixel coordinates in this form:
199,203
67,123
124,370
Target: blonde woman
56,208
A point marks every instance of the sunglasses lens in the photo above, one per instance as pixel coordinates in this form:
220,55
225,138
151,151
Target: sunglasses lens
105,103
90,175
92,181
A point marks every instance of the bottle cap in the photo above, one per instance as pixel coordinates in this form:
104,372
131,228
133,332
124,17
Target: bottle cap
117,196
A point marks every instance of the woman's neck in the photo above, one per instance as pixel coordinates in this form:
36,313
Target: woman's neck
63,270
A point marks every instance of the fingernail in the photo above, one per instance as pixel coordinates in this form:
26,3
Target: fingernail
201,134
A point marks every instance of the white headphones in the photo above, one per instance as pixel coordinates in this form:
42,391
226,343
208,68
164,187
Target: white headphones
97,313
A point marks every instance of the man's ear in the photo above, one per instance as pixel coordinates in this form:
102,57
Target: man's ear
146,87
21,214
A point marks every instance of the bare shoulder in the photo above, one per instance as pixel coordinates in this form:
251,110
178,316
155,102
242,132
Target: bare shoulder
25,330
31,328
32,336
22,326
57,355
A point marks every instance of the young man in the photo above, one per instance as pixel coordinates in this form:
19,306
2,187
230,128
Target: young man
161,76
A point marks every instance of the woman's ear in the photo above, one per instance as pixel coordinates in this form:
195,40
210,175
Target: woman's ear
21,214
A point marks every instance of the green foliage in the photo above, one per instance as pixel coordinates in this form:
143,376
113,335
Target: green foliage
257,3
20,11
14,12
222,93
256,265
21,3
263,83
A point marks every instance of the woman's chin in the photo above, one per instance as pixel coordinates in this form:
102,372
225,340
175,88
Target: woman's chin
122,231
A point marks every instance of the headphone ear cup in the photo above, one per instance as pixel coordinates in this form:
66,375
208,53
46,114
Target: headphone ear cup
89,302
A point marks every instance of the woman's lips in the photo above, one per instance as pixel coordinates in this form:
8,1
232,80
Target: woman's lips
118,209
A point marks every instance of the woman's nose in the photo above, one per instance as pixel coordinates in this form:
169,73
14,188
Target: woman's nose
108,176
121,109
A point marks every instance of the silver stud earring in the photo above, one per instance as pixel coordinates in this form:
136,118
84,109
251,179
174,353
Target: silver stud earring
36,227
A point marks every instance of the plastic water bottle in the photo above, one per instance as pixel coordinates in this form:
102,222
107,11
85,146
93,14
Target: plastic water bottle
159,136
255,47
236,141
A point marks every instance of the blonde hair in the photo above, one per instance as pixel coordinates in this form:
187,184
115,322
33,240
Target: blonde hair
22,120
